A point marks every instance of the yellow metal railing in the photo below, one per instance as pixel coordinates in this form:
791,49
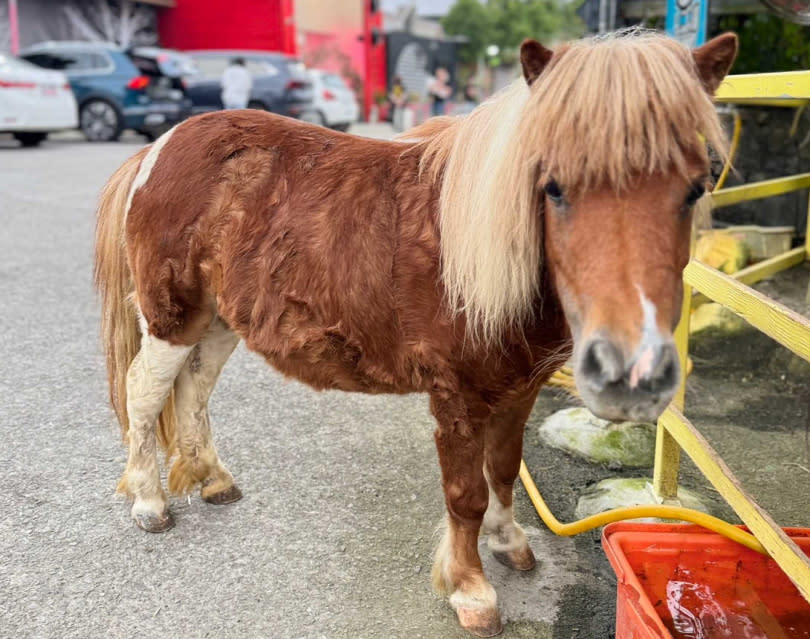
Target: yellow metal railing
790,329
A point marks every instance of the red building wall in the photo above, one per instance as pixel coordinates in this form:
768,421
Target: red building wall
347,39
376,59
270,25
229,24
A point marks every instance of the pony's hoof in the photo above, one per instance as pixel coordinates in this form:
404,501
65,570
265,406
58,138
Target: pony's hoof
482,623
521,559
154,523
227,496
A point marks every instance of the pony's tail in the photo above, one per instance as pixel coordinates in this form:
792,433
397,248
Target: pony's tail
120,332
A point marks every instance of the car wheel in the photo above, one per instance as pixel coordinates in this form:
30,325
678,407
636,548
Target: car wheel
99,121
256,104
30,138
313,117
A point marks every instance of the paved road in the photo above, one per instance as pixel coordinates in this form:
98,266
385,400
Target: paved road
333,537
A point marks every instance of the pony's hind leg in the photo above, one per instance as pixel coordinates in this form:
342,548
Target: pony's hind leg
503,452
457,569
197,460
149,380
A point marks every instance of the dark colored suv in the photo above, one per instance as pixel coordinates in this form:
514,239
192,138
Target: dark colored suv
280,82
117,89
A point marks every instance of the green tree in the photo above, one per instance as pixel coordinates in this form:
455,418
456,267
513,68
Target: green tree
516,20
469,18
768,43
507,23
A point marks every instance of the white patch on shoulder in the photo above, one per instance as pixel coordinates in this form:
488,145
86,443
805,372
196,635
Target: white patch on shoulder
148,163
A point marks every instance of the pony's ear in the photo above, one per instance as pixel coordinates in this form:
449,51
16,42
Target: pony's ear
533,58
714,60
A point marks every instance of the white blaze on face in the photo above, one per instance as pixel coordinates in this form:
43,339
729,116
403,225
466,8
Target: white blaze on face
650,343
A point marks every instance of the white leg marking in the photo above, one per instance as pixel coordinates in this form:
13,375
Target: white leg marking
479,595
483,598
505,534
149,381
193,387
147,165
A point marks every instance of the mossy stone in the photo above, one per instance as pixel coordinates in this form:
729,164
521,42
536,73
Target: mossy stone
579,432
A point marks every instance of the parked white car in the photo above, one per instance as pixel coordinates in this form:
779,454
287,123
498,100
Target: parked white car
34,102
335,104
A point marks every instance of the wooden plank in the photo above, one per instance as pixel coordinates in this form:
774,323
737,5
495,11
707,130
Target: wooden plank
772,318
761,270
779,546
765,86
759,190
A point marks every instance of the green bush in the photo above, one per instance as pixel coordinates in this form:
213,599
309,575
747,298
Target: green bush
768,43
507,23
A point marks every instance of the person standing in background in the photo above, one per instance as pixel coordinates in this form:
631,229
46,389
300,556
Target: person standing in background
236,85
439,91
470,98
398,98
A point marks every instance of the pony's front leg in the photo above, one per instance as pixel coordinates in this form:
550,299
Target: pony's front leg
457,569
503,452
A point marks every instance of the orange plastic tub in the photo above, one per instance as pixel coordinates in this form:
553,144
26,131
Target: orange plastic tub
678,580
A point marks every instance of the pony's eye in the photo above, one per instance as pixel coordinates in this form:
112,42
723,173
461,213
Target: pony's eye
697,191
554,192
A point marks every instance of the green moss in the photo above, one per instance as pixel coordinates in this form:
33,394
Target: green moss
578,432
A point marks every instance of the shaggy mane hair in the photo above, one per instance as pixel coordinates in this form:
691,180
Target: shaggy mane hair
604,111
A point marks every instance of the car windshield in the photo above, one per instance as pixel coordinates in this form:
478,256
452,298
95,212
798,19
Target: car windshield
211,66
296,67
157,63
8,63
214,66
333,81
70,60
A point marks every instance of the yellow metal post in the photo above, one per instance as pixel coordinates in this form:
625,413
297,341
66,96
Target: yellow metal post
783,88
762,270
667,451
807,231
760,190
772,318
807,243
779,546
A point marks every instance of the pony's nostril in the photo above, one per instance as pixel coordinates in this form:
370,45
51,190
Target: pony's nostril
665,372
603,363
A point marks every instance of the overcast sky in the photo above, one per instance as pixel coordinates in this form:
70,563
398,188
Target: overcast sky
423,7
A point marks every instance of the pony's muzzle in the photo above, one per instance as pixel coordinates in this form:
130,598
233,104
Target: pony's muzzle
618,388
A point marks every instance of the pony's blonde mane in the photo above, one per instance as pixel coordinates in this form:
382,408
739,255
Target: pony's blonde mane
605,110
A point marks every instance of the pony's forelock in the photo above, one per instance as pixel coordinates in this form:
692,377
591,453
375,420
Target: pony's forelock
609,108
603,112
